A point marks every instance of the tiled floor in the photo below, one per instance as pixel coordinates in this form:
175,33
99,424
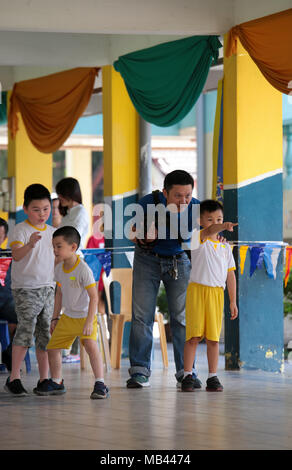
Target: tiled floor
253,412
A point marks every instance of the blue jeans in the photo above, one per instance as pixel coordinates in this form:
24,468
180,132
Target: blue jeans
148,272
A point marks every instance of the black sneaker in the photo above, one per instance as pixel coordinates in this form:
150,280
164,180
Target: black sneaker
213,385
100,391
48,387
188,384
7,358
15,388
196,382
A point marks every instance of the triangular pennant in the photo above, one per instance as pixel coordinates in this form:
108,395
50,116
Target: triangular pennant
106,260
268,260
271,256
275,256
288,264
130,257
242,253
4,265
255,254
260,258
94,265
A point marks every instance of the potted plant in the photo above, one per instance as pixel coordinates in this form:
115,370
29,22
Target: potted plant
162,307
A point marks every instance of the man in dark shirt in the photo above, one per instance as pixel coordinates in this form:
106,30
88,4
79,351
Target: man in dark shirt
162,259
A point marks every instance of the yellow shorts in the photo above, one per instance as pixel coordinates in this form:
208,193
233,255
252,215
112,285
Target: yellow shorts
204,311
67,330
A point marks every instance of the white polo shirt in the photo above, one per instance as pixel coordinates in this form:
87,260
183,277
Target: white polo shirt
36,269
211,262
74,284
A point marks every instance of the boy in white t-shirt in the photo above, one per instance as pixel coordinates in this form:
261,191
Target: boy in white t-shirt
212,268
32,284
77,295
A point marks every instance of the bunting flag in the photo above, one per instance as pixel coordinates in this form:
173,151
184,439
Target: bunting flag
96,260
130,257
106,261
4,265
260,260
271,256
242,253
94,265
288,264
256,258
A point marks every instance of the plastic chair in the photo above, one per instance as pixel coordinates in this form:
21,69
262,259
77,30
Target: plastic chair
5,341
96,267
124,277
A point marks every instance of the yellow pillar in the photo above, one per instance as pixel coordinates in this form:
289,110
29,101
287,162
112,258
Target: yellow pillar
120,133
253,197
121,155
27,165
78,165
121,164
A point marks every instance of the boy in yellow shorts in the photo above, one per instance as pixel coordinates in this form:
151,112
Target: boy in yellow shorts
212,268
76,293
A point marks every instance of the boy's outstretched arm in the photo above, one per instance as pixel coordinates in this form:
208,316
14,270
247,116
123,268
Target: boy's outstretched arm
216,228
92,310
231,287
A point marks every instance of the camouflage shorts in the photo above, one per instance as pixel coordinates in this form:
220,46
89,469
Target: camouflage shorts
34,310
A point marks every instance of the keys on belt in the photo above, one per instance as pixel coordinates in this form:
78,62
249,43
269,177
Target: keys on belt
173,272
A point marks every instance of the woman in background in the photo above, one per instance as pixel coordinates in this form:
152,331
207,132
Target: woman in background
71,208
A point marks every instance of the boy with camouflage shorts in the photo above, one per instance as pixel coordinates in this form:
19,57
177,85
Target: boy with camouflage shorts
32,283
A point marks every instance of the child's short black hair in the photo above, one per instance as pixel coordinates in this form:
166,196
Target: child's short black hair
70,234
36,191
180,177
4,224
210,205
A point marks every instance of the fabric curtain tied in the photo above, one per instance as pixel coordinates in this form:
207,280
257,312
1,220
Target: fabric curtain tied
50,106
268,41
165,81
3,108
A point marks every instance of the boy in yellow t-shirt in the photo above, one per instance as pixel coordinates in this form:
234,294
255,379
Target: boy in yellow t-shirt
76,295
212,268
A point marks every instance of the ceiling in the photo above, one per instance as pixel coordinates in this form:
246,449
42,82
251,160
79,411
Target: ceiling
38,37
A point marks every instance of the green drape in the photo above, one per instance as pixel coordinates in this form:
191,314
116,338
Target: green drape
165,81
3,108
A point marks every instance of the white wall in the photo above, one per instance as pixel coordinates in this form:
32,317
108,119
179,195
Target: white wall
117,16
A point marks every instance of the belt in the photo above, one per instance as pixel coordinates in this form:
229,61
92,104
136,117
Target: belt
177,256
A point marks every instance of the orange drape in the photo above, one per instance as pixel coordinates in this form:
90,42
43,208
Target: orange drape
50,106
268,41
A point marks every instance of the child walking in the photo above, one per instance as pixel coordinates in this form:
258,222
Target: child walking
77,294
32,283
75,215
212,267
